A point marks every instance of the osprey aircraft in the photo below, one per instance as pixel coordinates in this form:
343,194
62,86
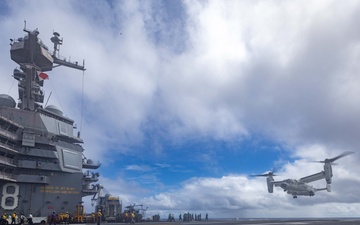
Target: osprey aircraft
301,186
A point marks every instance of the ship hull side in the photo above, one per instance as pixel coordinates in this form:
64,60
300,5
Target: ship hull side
62,194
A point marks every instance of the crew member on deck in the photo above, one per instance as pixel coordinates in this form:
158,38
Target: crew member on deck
99,215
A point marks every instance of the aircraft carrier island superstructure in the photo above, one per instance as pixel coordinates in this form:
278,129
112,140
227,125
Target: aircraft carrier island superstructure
41,160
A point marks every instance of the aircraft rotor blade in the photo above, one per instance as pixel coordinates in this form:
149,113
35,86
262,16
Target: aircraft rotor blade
317,161
264,175
338,157
334,159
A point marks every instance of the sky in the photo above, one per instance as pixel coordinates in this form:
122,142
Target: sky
182,101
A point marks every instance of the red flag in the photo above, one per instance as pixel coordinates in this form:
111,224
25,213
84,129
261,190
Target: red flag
43,76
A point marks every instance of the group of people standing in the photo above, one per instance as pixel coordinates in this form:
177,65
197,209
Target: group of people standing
129,217
62,217
96,217
187,217
15,219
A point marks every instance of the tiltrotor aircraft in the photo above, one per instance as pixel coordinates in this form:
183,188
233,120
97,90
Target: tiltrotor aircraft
301,187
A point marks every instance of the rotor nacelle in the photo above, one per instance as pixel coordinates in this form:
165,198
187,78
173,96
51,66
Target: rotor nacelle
269,180
328,165
270,185
328,172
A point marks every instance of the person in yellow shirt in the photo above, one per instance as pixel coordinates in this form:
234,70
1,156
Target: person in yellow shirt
66,218
3,219
60,217
99,215
13,218
132,217
93,217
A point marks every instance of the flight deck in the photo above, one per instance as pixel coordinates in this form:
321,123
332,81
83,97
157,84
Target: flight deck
330,221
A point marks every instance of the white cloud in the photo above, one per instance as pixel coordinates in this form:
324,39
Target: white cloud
288,71
236,195
138,167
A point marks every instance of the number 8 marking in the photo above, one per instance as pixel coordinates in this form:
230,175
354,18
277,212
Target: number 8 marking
6,196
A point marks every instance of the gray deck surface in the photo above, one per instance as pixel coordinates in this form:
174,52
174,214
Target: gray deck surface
259,222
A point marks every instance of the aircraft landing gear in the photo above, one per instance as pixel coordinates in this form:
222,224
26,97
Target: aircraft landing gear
294,196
